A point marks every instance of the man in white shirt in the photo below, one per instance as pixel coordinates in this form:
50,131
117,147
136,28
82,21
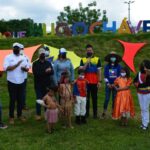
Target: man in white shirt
15,66
26,59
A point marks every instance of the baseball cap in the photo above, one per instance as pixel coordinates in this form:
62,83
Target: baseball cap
41,51
62,50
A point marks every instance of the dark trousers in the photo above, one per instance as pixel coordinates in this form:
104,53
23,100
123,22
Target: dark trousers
92,91
40,93
24,93
108,92
15,94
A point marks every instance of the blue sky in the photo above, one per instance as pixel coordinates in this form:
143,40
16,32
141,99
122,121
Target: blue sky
46,11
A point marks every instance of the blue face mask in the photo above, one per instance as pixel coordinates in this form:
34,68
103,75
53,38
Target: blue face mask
113,59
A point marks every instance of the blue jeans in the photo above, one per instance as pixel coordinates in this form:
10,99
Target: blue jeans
40,93
108,92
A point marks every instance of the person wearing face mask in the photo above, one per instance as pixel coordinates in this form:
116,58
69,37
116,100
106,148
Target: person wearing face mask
92,66
47,55
80,94
63,64
14,66
124,104
26,67
111,72
42,70
142,84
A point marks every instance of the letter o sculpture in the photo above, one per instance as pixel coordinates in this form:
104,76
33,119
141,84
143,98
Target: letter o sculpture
65,27
93,25
79,24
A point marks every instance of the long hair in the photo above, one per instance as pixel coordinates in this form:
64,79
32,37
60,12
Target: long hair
127,71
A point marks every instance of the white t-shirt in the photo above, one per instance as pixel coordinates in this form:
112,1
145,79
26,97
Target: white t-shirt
28,66
15,76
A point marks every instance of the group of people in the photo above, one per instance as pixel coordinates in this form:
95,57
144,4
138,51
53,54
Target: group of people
60,93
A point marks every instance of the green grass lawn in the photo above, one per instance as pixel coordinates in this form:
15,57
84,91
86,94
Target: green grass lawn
98,134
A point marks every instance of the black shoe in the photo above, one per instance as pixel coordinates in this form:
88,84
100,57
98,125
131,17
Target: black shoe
78,121
83,120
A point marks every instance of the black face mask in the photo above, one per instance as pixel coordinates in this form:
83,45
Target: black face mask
42,57
89,54
16,51
63,55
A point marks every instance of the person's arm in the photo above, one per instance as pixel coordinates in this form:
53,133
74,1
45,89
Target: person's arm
36,70
55,72
49,69
7,66
72,71
27,64
99,73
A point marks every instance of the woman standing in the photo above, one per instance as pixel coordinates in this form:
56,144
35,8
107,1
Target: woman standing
63,64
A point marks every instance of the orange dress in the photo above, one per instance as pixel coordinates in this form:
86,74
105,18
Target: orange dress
124,105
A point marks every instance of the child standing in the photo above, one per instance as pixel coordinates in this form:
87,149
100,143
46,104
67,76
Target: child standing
66,99
142,83
51,113
123,106
80,93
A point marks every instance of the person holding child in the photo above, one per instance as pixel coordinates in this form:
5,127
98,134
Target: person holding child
124,105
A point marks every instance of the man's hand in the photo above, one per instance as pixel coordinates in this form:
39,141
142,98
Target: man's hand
99,85
19,63
24,69
48,70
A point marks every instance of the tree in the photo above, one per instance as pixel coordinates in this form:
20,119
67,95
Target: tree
88,14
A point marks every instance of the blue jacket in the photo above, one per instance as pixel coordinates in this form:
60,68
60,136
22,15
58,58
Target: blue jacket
111,72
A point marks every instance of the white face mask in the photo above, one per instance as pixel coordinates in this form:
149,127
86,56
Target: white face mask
81,76
123,74
46,53
21,52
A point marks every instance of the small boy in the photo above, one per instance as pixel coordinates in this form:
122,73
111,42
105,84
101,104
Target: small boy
80,93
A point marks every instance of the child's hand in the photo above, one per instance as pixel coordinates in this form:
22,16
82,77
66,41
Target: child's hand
136,84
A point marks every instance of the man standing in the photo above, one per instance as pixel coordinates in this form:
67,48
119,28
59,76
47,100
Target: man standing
92,66
15,66
42,69
26,59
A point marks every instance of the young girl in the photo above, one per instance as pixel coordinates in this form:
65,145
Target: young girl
51,113
66,99
142,83
124,106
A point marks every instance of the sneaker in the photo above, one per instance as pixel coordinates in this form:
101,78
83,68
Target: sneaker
143,127
23,119
3,126
11,121
38,118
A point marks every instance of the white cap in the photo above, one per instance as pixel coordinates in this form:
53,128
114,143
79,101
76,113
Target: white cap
16,44
21,46
41,51
62,50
